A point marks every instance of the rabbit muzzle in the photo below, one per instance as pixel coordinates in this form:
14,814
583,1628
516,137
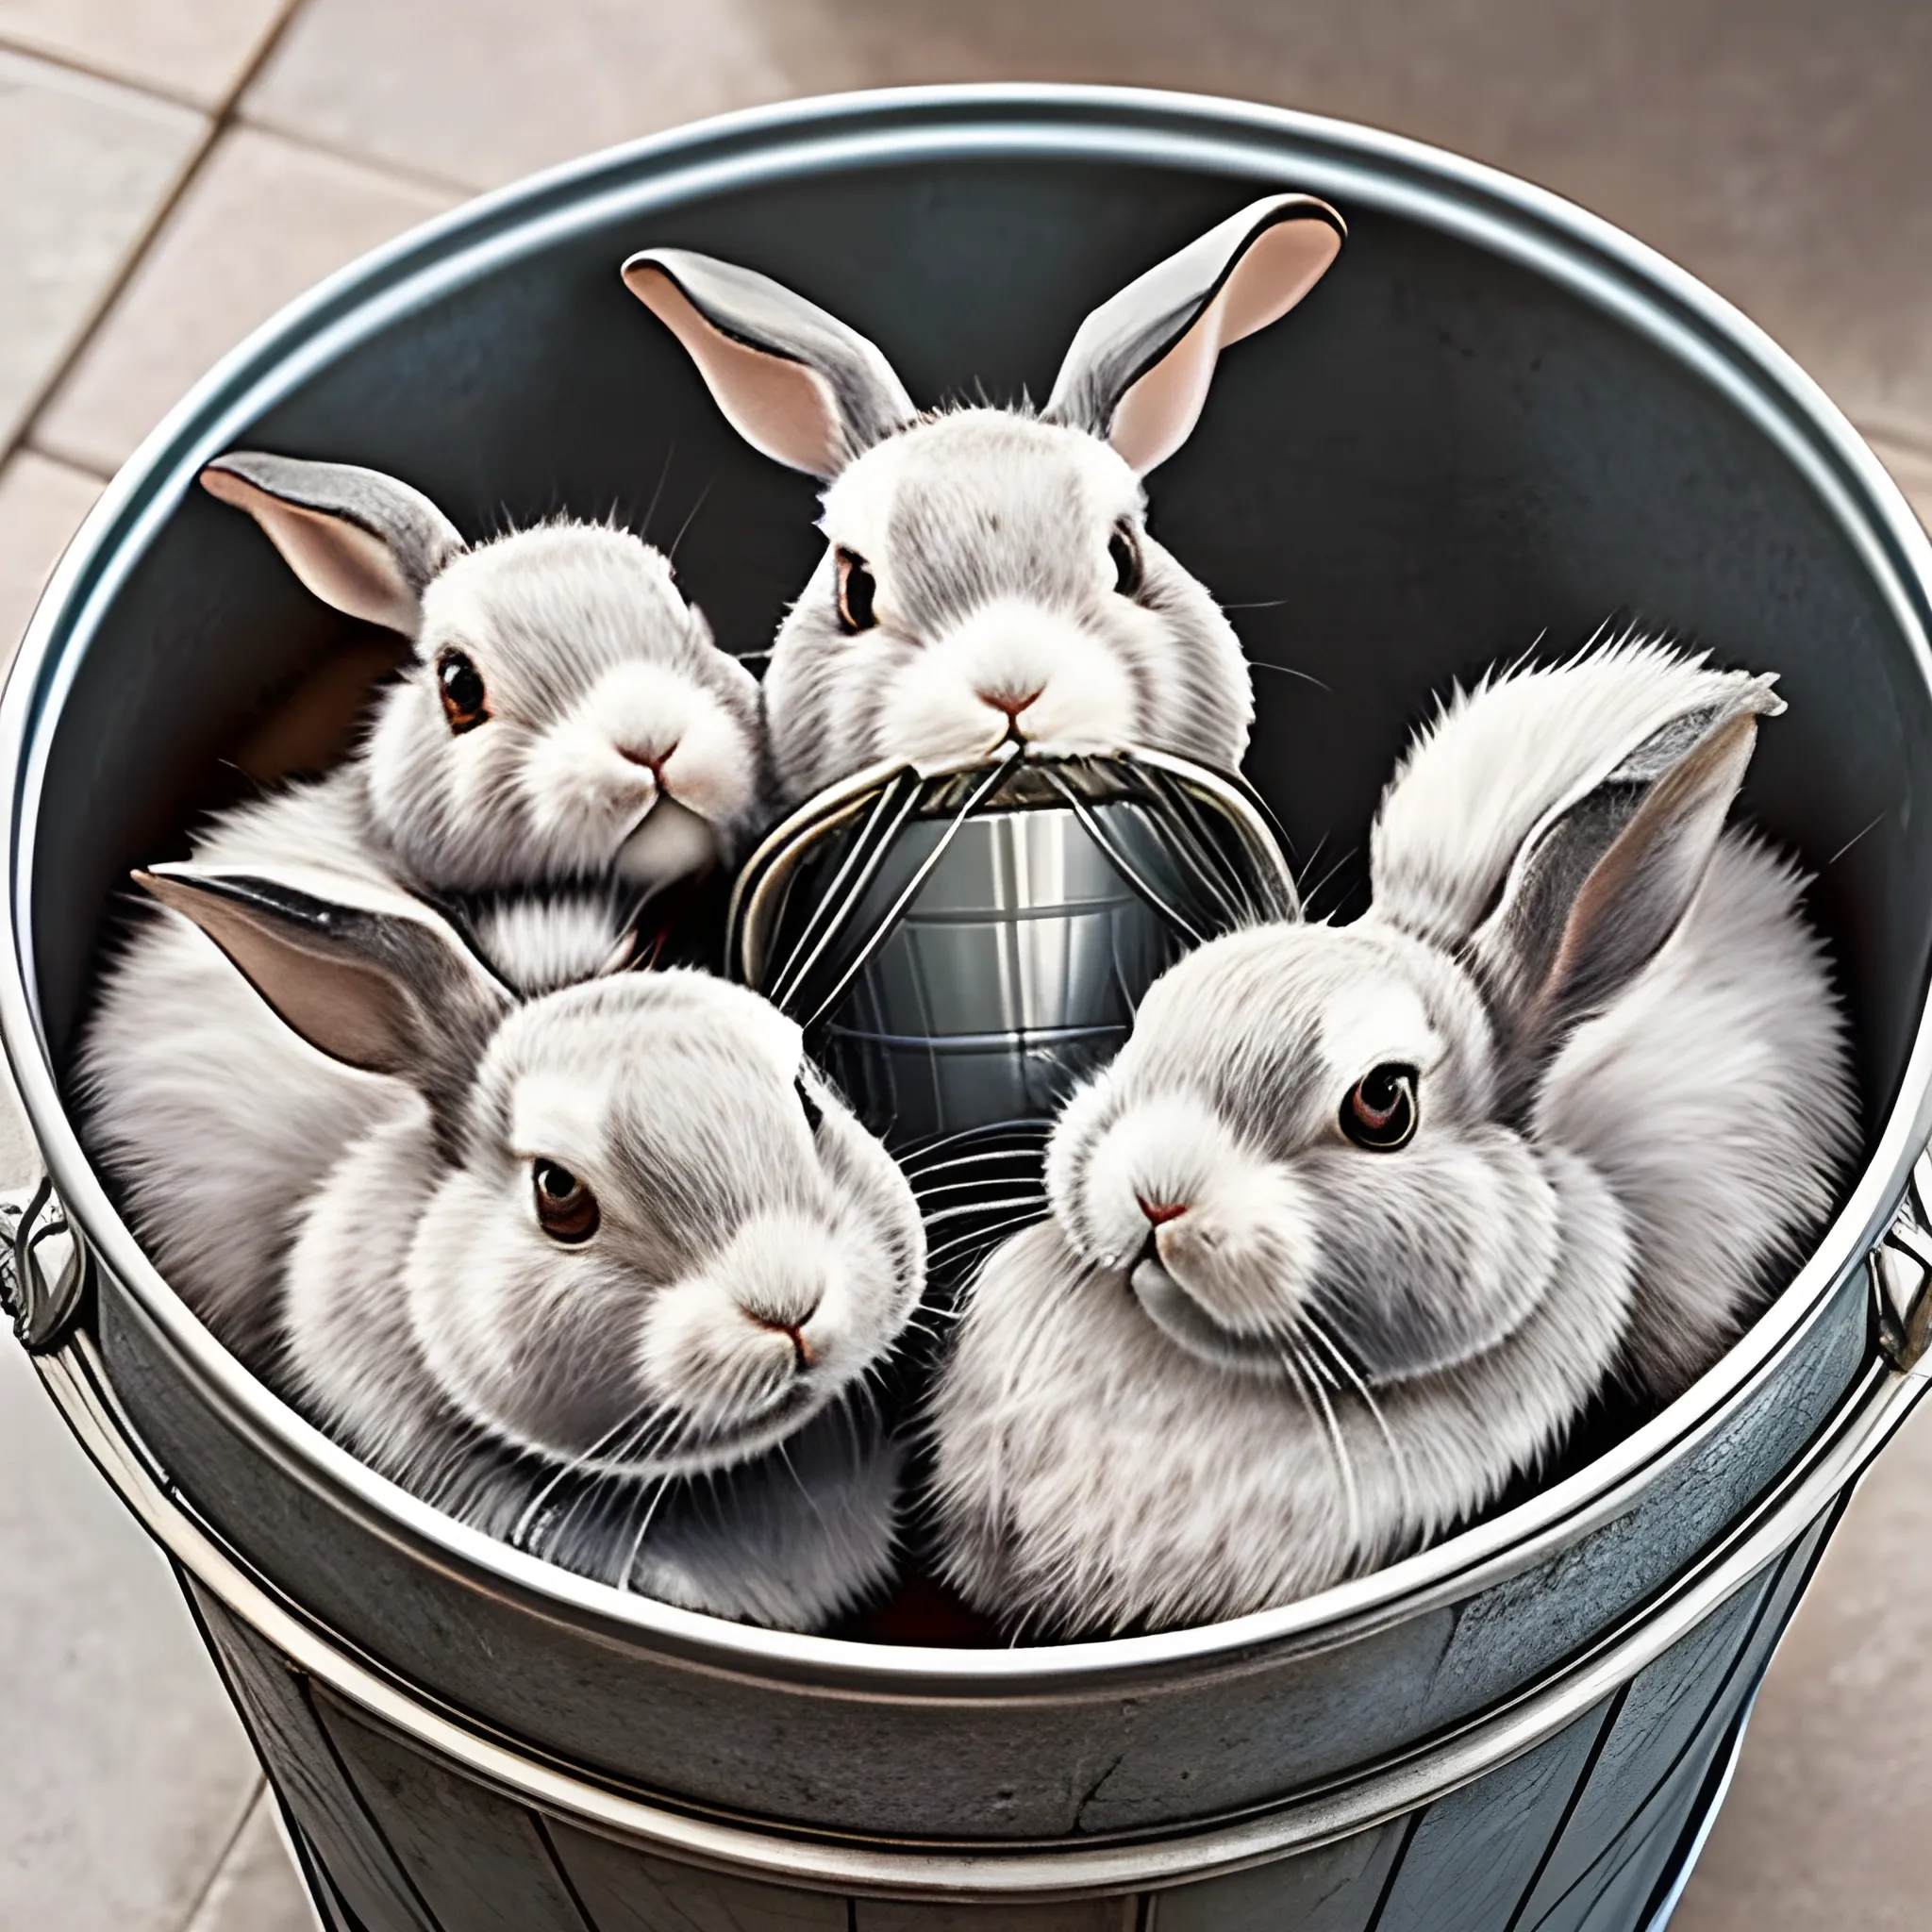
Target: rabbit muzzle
746,1348
1218,1243
1013,670
647,775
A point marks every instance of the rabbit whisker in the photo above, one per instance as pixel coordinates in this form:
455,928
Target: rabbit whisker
1309,894
970,1186
690,517
643,1529
861,860
1034,1198
1853,840
996,1231
1120,861
1338,1443
1286,670
566,1469
651,509
1397,1459
888,921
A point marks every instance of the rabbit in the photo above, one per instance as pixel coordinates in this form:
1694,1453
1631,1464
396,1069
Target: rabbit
567,715
622,1232
1360,1219
567,723
988,576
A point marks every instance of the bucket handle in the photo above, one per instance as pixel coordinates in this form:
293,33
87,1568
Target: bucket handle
45,1268
1900,1265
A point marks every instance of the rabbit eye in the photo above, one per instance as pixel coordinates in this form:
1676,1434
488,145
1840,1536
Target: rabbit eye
855,593
1124,549
566,1208
1380,1112
465,703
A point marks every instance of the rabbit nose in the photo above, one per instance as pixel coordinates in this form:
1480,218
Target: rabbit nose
652,761
802,1354
1161,1212
1011,703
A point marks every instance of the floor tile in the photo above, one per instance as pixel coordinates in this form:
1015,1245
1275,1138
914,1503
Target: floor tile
256,1889
1826,1824
1911,470
123,1772
42,503
86,167
263,220
487,90
198,49
1780,151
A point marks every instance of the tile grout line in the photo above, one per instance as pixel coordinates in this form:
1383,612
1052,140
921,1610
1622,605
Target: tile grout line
69,62
357,157
257,1793
25,446
223,115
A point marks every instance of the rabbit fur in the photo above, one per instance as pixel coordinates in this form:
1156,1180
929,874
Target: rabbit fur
1246,1359
622,749
754,1256
989,575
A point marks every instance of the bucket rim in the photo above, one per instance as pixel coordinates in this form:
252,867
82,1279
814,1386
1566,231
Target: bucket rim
1036,121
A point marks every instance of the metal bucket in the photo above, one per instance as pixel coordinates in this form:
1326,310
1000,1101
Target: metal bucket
1497,419
961,948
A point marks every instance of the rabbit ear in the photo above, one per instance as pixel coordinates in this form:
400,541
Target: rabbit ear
794,382
1603,879
360,540
383,985
1139,365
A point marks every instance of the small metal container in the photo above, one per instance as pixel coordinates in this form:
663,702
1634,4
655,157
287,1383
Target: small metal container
962,947
1497,418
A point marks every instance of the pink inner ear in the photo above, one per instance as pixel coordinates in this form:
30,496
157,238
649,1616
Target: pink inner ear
345,566
341,1006
779,407
1159,413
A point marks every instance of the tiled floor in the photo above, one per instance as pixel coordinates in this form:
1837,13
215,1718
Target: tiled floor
174,168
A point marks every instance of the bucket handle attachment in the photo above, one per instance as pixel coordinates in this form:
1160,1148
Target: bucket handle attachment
45,1268
1901,1270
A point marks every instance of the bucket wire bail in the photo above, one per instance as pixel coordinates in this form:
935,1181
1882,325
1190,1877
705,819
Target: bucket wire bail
46,1268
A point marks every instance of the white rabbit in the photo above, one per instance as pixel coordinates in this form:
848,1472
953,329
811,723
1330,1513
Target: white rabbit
567,715
1361,1218
621,1236
566,722
989,575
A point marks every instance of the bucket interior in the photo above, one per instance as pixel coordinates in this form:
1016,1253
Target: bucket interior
1440,462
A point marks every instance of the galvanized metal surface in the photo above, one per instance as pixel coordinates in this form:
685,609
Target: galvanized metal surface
962,947
1793,1518
1499,416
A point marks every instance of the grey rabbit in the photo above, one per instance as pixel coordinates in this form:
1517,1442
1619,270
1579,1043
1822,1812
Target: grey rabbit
989,575
1361,1217
616,1251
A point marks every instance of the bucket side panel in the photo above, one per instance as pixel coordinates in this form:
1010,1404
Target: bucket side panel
1336,1889
1472,1854
480,1862
309,1779
1670,1722
625,1890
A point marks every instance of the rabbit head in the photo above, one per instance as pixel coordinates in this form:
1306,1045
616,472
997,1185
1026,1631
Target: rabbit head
567,713
650,1237
988,576
1318,1140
